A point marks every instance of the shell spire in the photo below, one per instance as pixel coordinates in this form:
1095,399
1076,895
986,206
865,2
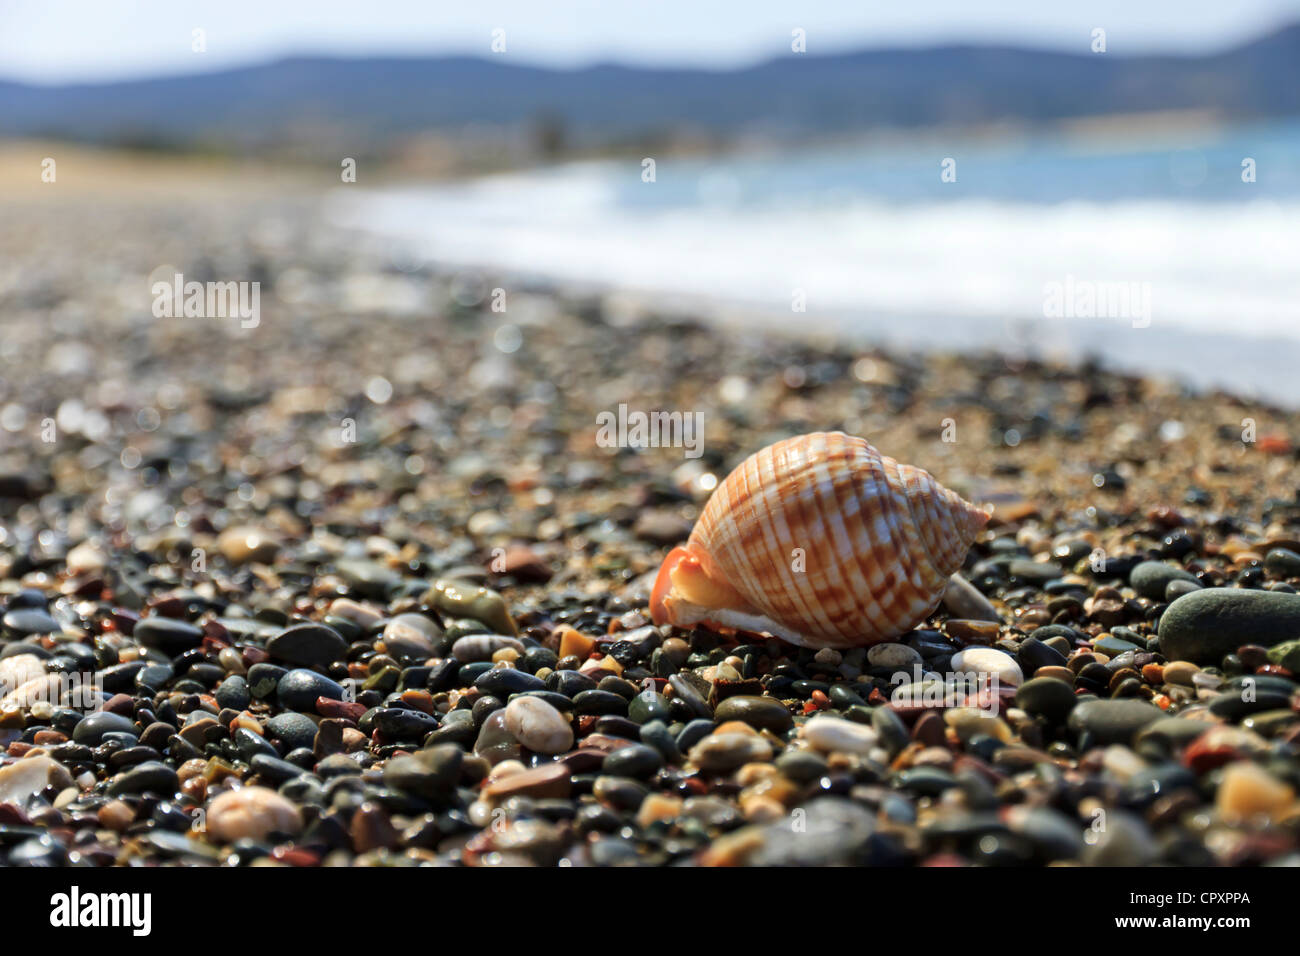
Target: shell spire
820,540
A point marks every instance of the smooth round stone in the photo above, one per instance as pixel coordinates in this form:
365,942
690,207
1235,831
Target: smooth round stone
167,634
264,678
293,730
273,770
892,655
368,579
890,729
154,676
656,734
399,723
91,728
637,761
1176,589
599,702
927,781
1283,562
1114,646
761,713
1269,723
1035,572
251,813
250,744
1125,840
833,832
299,689
990,661
26,621
570,683
426,773
411,636
247,545
233,693
1234,704
1055,836
1150,578
307,645
693,733
1048,697
837,735
494,740
503,681
1205,625
1114,721
1033,654
647,706
725,752
480,647
151,777
802,766
539,726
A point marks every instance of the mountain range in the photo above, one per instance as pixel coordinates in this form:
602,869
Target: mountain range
311,97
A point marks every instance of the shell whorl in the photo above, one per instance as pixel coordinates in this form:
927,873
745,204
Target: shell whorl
877,540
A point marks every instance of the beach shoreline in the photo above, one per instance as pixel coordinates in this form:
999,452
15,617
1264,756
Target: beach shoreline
225,524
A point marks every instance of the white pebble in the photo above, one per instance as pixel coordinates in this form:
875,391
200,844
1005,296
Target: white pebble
836,735
990,661
538,726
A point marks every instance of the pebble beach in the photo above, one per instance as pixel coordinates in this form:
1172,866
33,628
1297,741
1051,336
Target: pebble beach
357,585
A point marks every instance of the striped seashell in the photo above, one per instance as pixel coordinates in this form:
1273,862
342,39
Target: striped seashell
878,542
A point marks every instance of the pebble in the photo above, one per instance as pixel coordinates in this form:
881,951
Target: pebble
721,753
242,544
92,728
963,600
299,689
251,813
892,655
151,777
1205,625
1151,578
836,735
1248,791
761,713
1112,721
307,645
292,729
25,778
1048,697
167,634
988,661
481,647
539,726
18,670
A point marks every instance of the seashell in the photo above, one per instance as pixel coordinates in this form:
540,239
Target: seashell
820,540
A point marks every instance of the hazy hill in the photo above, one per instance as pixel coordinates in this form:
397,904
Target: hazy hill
314,97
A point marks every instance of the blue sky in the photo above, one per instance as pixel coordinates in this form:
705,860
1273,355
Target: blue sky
50,41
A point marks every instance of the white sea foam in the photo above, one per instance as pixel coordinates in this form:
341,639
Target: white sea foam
921,271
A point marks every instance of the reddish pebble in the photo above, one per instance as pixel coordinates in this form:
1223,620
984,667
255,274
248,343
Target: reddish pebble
295,856
121,704
347,710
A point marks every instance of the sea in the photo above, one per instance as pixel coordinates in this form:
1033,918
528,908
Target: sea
1167,251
